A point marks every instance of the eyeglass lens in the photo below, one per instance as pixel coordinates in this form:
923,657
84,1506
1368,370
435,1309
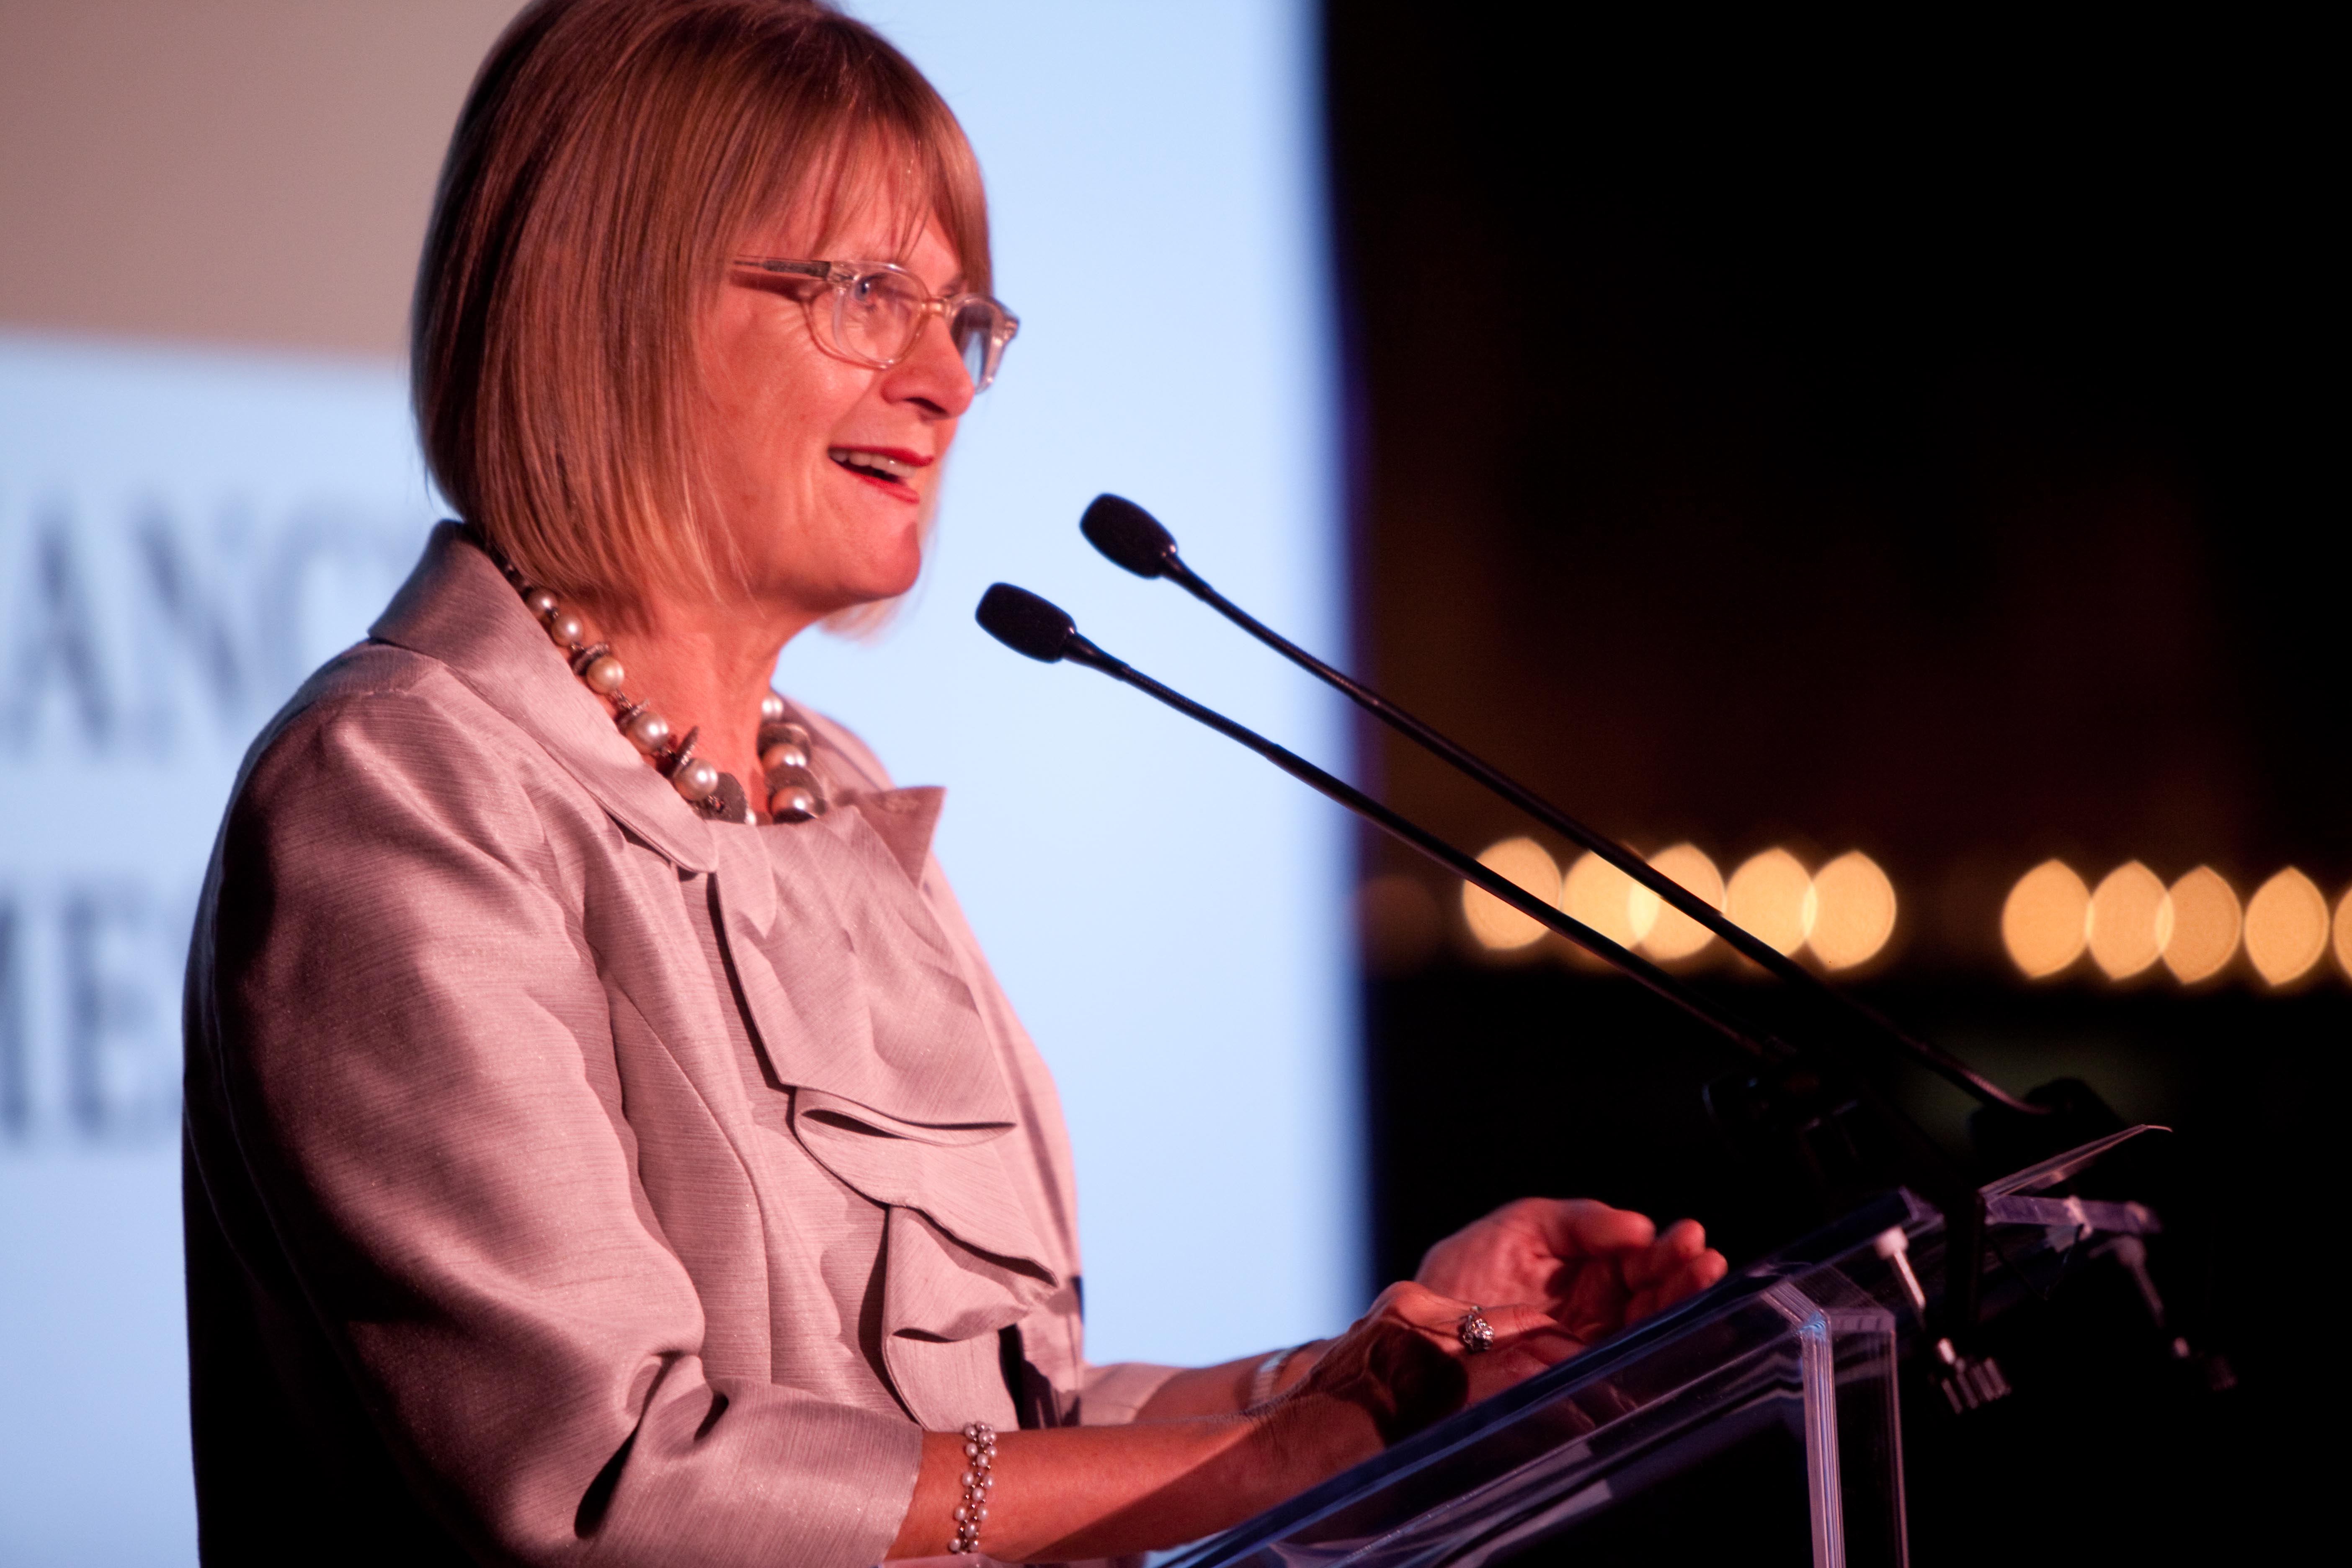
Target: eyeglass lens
881,312
978,331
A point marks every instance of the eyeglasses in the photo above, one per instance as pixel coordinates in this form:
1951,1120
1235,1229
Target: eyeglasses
880,308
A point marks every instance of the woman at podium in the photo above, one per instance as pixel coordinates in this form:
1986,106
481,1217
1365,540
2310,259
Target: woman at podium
606,1141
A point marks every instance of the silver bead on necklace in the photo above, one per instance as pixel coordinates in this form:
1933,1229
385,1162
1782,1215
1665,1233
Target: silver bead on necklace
793,790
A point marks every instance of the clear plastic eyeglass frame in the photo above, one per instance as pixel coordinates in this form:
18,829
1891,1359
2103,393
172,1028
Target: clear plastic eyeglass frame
866,293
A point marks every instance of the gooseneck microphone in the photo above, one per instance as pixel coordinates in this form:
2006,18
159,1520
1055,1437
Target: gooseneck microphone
1132,538
1044,631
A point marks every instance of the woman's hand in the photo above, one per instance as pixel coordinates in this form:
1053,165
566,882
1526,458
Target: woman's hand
1594,1269
1105,1491
1548,1277
1403,1364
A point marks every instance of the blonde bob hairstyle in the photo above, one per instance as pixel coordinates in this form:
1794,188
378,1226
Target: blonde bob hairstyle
611,155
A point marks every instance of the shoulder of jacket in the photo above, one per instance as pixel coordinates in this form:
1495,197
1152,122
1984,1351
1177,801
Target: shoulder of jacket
405,711
380,682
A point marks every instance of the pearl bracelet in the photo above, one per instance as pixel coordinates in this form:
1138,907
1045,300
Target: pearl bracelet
979,1454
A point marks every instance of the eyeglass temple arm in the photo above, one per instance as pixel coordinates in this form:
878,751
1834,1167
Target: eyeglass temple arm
822,270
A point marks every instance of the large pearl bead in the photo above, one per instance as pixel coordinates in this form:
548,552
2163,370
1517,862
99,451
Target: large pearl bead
772,707
541,603
783,754
648,731
605,675
568,629
695,781
791,804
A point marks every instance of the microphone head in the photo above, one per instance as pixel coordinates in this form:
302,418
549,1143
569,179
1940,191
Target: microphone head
1129,535
1026,623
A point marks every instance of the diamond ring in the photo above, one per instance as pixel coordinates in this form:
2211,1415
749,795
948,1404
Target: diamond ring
1476,1334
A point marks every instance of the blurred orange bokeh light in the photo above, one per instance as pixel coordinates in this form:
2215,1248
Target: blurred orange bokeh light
1497,927
2043,921
2205,926
2343,935
1854,911
2129,921
1672,934
1771,896
1846,913
2286,927
1604,898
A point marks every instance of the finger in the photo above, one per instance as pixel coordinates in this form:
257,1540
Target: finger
1669,1255
1529,1356
1515,1324
1439,1318
1707,1270
1537,1351
1694,1276
1412,1302
1604,1299
1442,1319
1596,1301
1585,1227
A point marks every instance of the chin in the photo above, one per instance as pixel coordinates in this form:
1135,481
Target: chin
899,566
882,584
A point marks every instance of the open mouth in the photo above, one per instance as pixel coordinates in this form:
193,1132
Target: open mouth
882,468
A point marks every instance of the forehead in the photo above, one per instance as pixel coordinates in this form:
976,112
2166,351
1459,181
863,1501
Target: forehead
871,203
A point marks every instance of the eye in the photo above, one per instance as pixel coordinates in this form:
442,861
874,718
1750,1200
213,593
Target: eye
886,293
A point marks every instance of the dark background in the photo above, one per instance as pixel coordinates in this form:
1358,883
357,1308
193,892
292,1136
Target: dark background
1928,445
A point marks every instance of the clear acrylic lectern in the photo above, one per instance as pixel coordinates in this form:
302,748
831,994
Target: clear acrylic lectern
1762,1413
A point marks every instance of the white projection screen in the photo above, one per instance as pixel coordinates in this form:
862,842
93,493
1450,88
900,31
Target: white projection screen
185,530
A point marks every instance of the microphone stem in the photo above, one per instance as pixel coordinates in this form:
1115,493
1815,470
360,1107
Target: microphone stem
1941,1182
1759,1043
1744,942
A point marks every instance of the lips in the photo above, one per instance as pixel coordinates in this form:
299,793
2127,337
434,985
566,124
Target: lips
891,468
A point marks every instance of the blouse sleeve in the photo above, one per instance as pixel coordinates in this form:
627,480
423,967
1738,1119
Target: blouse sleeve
401,1059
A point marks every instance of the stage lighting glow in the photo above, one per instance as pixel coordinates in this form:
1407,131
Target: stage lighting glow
2205,926
1670,934
2130,920
2343,934
2042,923
1854,911
1603,898
2286,927
1770,897
1498,927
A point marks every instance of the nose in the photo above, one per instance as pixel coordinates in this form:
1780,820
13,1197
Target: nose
932,376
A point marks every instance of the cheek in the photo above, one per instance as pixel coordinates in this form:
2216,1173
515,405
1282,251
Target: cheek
771,401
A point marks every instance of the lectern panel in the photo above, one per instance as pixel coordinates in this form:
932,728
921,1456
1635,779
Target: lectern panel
1759,1420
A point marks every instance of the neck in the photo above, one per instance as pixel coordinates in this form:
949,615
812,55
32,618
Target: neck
707,667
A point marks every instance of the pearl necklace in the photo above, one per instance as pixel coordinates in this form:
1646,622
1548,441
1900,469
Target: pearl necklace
794,792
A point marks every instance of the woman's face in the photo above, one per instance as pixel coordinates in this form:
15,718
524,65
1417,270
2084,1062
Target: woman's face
823,470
